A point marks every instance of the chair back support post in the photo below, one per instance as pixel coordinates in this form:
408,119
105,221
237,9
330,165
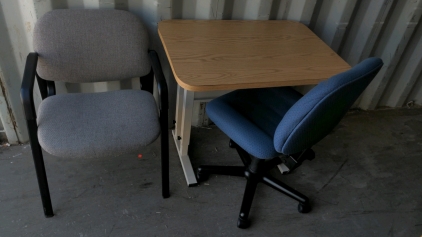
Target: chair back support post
42,85
147,82
51,88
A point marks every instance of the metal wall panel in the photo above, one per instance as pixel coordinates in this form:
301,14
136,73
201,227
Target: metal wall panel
355,29
14,35
390,46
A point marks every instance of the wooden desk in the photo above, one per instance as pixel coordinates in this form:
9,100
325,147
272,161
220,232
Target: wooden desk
226,55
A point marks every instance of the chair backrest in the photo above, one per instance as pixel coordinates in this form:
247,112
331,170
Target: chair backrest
313,117
91,45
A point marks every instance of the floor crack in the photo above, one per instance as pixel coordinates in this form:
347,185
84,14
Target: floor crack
335,174
112,228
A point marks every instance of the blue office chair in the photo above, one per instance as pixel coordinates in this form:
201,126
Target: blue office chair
272,126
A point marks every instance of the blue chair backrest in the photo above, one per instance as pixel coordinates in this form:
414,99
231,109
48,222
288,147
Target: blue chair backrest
316,114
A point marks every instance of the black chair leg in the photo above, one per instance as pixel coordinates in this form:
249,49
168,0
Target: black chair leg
304,205
165,176
165,167
252,181
40,168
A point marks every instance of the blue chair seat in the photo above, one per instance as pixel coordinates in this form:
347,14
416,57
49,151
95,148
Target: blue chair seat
250,117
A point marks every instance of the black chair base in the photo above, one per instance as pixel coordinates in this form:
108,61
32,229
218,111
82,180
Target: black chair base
255,171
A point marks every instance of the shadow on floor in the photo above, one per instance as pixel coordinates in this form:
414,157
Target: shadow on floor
366,180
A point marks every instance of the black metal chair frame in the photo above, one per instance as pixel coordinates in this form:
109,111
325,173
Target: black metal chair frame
47,88
255,171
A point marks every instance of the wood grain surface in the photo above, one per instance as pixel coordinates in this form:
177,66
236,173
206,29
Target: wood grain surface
227,54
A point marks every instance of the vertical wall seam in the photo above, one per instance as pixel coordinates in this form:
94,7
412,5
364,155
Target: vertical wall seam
379,85
10,113
315,14
349,26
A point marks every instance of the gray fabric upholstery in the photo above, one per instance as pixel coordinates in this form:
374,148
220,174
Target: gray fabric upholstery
97,124
91,46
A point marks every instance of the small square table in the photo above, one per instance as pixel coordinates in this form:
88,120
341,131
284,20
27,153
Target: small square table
210,56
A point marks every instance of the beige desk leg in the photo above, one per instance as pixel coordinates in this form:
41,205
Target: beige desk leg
181,133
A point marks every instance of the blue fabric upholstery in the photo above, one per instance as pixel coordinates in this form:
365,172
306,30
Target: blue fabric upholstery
250,117
322,108
268,122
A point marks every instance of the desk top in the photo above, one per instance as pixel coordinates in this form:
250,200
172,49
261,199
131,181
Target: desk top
229,54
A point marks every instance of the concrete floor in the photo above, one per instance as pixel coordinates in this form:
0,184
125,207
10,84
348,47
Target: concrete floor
366,180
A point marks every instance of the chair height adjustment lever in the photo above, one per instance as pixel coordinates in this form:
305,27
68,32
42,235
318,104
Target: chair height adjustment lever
291,162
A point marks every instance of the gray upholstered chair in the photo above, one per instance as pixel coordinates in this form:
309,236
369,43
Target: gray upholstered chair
78,46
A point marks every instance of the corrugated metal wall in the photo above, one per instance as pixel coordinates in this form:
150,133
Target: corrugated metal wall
355,29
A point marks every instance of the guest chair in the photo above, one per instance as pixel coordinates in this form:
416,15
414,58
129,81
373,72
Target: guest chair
278,126
77,46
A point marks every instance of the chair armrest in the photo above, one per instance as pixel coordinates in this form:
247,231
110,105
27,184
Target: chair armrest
161,81
27,87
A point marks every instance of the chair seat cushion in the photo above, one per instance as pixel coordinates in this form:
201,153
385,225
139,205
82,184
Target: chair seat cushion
97,124
250,117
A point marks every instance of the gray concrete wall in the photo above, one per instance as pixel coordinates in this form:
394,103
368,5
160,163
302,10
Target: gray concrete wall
355,29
